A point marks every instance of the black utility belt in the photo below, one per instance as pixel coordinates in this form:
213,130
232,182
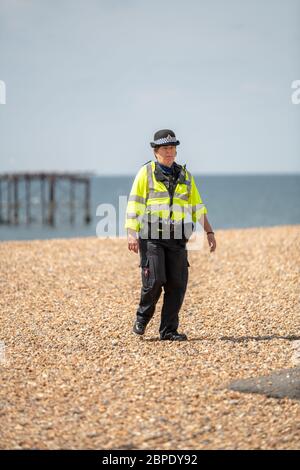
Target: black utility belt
161,229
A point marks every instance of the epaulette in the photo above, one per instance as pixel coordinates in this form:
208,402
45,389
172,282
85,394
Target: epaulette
181,178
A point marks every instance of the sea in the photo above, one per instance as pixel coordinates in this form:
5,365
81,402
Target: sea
232,202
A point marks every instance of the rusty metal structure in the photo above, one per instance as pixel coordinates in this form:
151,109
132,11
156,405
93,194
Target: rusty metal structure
31,197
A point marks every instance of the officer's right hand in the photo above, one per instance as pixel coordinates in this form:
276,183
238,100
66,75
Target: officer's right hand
133,244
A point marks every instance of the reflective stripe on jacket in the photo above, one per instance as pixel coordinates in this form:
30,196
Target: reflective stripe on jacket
149,197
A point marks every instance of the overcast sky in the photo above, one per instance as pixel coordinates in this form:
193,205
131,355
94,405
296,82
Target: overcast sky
88,82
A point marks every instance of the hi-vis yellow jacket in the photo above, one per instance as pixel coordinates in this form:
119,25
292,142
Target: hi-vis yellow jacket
148,196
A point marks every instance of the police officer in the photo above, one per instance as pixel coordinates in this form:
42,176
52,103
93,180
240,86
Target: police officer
163,208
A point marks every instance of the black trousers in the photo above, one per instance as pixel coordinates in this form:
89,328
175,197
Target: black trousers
164,264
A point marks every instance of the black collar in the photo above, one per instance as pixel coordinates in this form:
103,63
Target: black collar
179,172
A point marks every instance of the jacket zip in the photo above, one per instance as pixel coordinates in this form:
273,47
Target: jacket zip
171,194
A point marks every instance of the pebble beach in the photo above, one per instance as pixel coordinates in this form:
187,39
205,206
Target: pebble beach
74,376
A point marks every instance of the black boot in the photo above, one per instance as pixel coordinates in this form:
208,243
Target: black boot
139,327
174,336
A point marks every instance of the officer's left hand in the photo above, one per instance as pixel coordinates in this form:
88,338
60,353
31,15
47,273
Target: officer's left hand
211,241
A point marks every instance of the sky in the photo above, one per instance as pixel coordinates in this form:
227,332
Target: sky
88,82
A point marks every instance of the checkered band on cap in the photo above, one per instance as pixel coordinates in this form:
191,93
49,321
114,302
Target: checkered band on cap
166,140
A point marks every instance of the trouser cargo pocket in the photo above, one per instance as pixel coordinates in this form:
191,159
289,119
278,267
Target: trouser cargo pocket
145,268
